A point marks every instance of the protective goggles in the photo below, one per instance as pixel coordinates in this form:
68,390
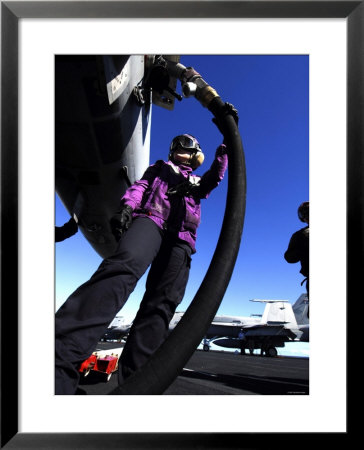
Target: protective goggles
185,142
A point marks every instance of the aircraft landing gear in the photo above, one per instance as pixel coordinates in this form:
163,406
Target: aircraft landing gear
206,345
271,351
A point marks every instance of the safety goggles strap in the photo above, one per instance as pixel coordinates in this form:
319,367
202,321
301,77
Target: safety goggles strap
184,142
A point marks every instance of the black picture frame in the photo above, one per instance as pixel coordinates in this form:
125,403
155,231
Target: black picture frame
11,13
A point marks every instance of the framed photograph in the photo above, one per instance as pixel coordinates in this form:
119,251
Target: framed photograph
27,275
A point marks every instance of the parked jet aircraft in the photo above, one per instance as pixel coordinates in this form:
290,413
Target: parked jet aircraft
117,330
279,323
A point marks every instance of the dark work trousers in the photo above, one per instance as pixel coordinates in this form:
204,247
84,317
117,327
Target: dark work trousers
85,316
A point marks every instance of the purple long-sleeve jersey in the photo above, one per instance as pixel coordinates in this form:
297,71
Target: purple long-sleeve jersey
181,214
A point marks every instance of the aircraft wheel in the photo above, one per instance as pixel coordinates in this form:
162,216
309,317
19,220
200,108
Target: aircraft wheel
206,348
271,351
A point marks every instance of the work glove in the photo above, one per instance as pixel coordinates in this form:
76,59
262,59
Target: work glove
121,221
229,109
71,227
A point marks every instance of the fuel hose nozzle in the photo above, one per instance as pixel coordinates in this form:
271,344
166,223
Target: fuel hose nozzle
193,85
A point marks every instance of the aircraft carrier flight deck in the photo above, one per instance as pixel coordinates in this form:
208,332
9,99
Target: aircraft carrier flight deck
222,373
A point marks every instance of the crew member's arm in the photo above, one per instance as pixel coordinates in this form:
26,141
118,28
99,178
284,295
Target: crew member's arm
134,194
292,255
131,200
211,179
298,246
67,230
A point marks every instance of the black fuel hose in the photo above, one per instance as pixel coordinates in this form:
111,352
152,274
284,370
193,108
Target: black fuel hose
167,362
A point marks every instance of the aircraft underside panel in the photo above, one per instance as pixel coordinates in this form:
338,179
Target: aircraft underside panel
100,148
223,330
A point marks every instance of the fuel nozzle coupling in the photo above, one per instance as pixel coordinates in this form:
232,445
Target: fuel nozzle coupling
194,85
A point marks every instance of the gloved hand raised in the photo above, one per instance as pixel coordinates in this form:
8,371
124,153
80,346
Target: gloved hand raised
121,221
231,110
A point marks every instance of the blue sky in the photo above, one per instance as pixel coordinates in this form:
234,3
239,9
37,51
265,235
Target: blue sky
271,94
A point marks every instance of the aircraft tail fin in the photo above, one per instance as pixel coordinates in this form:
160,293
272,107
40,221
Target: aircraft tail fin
279,312
300,309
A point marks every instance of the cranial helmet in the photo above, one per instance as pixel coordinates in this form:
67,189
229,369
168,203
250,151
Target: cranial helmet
303,212
189,143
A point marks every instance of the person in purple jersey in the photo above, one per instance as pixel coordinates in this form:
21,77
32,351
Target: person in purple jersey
156,226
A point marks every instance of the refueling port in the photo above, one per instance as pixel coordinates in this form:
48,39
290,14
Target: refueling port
159,79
